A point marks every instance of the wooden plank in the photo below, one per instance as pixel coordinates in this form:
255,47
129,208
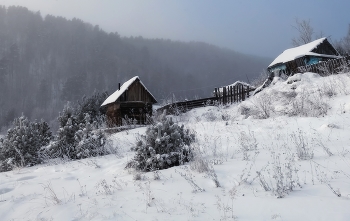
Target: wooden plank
239,98
223,95
235,93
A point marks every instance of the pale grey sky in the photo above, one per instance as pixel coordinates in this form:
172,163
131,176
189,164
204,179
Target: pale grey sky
260,27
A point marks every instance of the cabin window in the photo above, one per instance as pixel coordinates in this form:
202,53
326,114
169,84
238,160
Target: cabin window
278,69
312,60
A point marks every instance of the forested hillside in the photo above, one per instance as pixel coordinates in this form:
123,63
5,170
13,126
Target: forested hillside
47,61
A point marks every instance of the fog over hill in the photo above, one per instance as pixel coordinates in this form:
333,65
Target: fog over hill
47,61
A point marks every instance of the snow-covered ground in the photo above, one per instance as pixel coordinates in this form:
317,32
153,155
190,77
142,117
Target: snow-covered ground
253,147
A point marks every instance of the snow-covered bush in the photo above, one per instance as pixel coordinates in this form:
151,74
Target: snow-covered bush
263,105
259,106
216,113
78,137
247,142
308,104
166,144
22,143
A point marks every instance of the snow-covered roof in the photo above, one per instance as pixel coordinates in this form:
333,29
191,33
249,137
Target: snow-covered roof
113,97
240,82
297,52
234,84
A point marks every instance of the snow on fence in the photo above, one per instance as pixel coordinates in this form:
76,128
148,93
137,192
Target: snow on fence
328,67
224,95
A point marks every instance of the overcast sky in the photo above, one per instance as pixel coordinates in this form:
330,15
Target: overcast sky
260,27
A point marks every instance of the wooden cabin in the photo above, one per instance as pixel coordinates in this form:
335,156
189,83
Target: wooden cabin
131,101
312,53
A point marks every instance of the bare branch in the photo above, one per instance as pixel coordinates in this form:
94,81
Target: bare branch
305,32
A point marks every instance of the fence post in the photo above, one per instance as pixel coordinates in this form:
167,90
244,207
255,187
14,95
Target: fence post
242,91
224,95
236,93
248,90
239,93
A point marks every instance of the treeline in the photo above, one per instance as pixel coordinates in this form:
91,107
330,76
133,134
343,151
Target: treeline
45,62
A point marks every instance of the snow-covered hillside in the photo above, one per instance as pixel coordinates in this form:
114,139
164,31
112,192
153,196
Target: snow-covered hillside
283,154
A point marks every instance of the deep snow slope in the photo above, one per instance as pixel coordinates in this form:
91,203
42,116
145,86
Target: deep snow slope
283,154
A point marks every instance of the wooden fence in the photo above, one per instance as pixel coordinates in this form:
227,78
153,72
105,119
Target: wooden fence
223,95
232,94
333,66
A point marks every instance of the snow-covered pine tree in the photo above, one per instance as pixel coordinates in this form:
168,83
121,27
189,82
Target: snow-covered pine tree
64,140
77,137
91,105
166,144
89,140
22,143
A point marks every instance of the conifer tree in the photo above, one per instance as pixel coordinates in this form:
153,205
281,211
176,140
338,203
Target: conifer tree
22,144
166,144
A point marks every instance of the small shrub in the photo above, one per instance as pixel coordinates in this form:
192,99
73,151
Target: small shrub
188,176
103,188
263,105
50,195
156,175
247,142
166,144
137,176
308,105
199,164
304,152
282,175
204,166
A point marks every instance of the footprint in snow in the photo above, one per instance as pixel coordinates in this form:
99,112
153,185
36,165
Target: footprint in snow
5,190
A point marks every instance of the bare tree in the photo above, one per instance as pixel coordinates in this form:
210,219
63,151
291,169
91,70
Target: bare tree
305,32
346,42
343,45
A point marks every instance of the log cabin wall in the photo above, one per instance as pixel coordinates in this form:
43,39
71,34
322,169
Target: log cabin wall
113,115
137,92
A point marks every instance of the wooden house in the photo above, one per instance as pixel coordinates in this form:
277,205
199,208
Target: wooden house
131,101
312,53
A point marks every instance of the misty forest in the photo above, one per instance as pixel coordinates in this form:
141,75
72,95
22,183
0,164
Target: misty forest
47,61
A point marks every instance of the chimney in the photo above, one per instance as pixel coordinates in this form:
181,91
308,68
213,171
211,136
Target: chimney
119,86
